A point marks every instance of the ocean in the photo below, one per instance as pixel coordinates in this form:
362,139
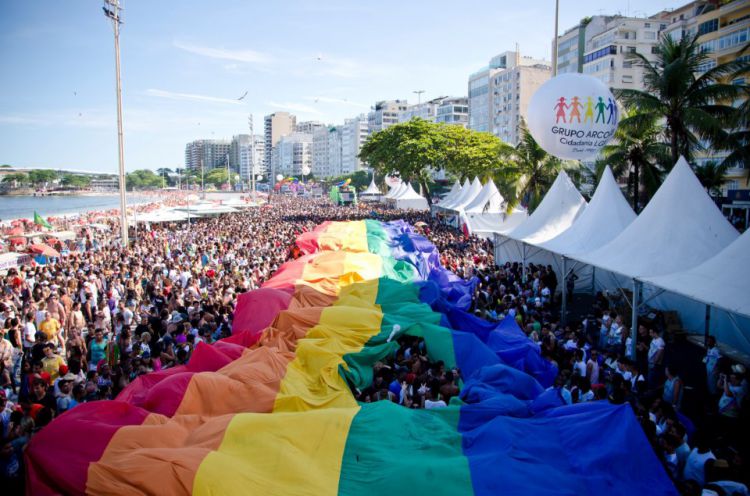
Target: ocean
23,207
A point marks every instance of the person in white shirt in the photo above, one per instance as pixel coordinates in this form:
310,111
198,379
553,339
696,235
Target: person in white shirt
695,465
655,359
712,361
29,332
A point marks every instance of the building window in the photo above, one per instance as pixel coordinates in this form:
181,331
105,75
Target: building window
708,27
630,49
649,35
627,78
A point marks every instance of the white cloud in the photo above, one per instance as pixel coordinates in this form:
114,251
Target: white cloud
247,56
295,107
190,96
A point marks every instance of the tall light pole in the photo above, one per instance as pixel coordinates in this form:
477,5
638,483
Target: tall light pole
419,96
112,10
554,44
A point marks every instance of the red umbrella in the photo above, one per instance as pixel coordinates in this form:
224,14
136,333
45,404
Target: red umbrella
17,241
16,231
45,249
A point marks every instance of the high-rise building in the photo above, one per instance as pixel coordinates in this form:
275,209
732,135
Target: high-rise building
723,32
308,127
499,94
292,153
239,142
251,158
482,87
354,133
511,91
453,110
326,158
207,154
571,46
608,53
275,126
385,114
425,110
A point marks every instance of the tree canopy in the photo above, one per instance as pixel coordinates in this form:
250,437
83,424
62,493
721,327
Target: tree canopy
413,150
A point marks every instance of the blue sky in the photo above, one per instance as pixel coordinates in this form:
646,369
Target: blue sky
185,63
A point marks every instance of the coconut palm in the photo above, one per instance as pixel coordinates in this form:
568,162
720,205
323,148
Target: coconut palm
638,151
530,172
738,138
712,176
690,102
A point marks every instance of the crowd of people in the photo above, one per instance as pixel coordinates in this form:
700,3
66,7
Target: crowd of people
82,328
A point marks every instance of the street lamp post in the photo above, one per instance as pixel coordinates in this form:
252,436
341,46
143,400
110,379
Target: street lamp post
112,10
555,44
419,96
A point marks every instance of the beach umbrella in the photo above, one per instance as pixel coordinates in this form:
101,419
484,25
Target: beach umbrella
17,241
16,231
45,249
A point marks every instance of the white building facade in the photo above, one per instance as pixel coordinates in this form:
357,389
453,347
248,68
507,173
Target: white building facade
292,153
354,133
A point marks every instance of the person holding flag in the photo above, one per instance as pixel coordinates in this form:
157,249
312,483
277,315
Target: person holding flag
40,221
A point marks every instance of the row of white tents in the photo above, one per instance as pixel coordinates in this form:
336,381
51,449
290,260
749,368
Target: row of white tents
680,253
402,196
481,209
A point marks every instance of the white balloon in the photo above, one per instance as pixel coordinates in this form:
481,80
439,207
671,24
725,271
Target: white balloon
279,177
572,116
305,170
258,177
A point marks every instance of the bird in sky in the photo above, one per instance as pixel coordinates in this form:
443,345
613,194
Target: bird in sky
243,96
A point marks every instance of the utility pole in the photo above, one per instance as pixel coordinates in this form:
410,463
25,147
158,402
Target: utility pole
229,174
112,9
252,156
419,96
203,189
554,49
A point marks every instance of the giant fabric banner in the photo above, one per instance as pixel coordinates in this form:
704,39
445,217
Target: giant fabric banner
270,411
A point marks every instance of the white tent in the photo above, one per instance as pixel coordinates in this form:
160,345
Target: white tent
396,190
454,190
467,197
451,197
488,201
605,217
158,216
722,281
679,228
558,210
207,208
411,200
371,189
487,225
372,193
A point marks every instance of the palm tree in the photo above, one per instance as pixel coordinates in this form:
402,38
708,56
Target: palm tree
638,150
712,176
690,102
530,173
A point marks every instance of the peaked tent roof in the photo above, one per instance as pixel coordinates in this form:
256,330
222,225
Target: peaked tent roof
488,197
448,200
722,281
404,190
679,229
453,192
467,197
371,189
396,190
409,194
605,217
559,209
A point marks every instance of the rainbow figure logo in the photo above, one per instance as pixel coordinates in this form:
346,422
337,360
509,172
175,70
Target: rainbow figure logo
561,106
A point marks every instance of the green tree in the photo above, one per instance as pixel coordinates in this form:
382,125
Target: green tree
413,150
219,176
42,176
142,179
19,177
693,104
6,166
638,151
530,173
712,176
75,181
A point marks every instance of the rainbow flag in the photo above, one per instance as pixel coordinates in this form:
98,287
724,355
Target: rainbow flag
270,410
